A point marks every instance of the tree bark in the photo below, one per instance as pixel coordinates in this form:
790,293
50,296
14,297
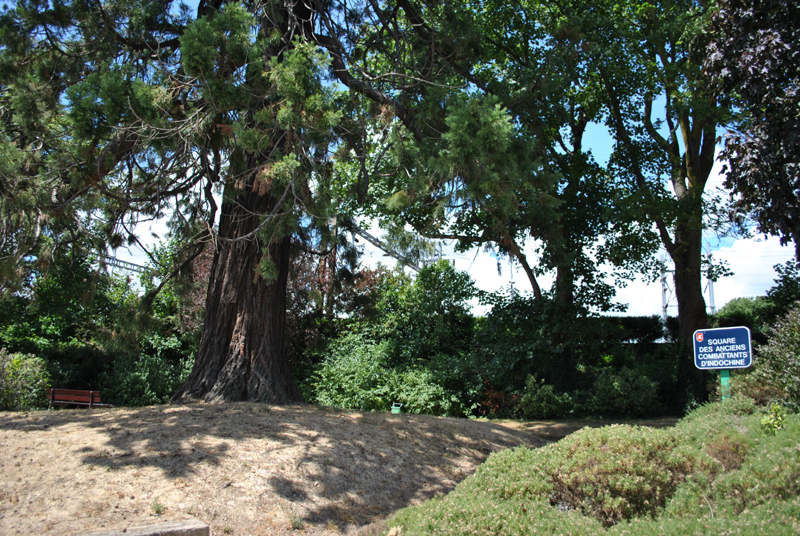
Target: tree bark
688,278
242,353
242,349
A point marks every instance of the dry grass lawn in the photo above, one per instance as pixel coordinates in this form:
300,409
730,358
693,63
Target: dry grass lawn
243,468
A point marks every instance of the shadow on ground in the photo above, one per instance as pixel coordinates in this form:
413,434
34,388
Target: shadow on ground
339,467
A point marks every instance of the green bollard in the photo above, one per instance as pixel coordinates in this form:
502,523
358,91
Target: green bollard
725,383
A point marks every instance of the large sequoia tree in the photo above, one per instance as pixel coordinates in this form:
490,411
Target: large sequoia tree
119,112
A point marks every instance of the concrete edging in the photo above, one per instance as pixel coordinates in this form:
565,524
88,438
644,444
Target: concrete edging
189,527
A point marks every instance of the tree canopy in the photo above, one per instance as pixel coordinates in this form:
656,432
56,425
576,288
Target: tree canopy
259,129
754,55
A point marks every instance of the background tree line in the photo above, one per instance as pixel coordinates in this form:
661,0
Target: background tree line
388,338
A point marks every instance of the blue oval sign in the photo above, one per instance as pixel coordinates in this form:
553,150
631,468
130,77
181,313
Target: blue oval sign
722,348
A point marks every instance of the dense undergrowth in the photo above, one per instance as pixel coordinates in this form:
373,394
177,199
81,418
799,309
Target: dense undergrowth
719,471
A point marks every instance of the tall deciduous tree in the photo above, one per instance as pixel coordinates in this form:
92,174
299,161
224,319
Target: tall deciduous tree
663,112
505,162
754,55
536,65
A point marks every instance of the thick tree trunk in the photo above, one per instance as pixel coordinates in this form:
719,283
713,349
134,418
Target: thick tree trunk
691,306
242,351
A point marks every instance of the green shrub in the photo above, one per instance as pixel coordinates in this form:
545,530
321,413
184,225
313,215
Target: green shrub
151,377
775,420
755,313
714,473
786,291
778,362
23,381
427,317
770,474
590,479
355,375
419,392
541,401
522,336
721,412
624,392
620,472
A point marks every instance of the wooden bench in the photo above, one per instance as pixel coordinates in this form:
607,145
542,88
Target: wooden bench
74,397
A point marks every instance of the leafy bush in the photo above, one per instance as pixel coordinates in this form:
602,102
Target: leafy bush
522,337
540,401
429,317
755,313
786,291
420,392
151,377
624,392
775,420
778,362
355,375
23,381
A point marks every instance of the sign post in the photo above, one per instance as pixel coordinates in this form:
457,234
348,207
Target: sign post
723,349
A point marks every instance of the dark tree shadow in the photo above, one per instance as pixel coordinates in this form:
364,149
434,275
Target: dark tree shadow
376,461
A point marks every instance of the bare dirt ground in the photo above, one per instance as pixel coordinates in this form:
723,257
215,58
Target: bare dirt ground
555,430
243,468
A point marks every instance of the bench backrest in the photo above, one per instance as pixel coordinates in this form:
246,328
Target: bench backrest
74,396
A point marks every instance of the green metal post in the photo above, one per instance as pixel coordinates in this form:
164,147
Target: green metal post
725,383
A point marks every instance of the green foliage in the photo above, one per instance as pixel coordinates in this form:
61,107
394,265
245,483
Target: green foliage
68,306
356,375
619,472
775,420
755,313
420,390
769,474
598,476
540,401
522,336
714,473
353,375
91,332
624,392
23,381
778,362
152,376
786,291
428,317
414,349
